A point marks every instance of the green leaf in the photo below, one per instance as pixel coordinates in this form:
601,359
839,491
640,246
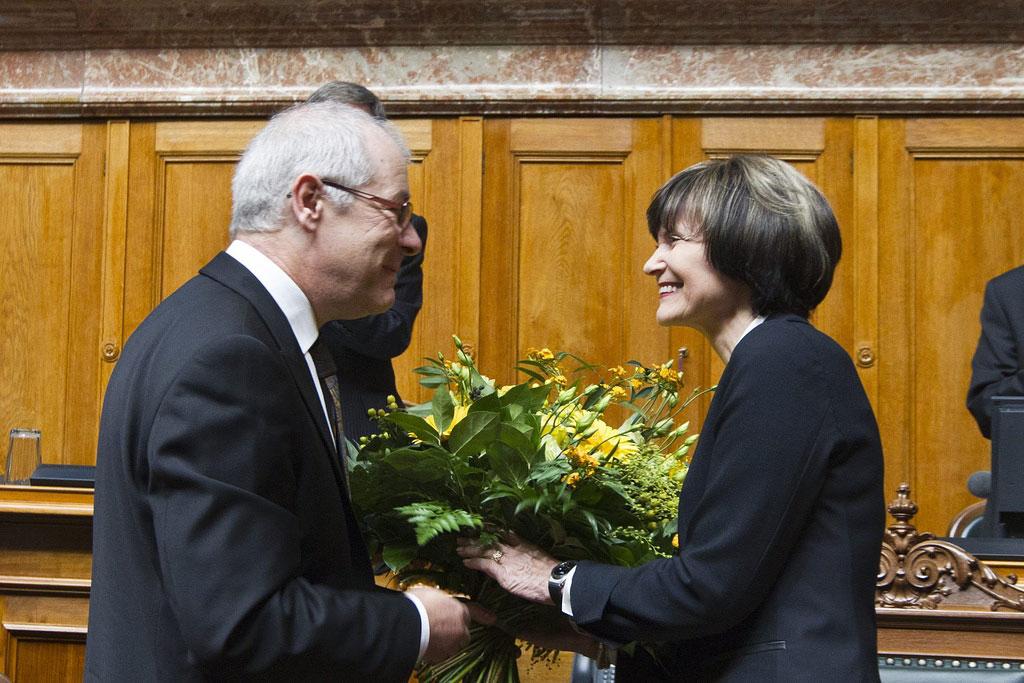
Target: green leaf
512,435
622,555
530,373
398,557
486,404
442,408
530,398
420,464
417,425
593,399
434,382
473,433
646,391
506,462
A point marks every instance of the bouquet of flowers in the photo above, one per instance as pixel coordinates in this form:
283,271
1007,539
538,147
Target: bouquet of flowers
538,459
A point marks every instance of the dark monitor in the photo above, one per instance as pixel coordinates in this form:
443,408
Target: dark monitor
1006,502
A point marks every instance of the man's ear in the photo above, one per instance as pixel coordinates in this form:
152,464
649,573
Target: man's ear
306,201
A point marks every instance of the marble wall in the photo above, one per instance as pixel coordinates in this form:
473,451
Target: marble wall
467,79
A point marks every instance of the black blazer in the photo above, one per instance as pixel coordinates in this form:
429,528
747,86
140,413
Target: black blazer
363,348
224,546
780,525
997,368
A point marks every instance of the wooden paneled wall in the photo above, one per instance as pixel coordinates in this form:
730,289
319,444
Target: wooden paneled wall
537,238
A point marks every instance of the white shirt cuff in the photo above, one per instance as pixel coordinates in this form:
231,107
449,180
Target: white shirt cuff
424,624
566,604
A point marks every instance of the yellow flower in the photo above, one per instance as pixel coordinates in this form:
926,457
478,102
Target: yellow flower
675,540
605,440
668,374
581,459
572,479
539,354
618,393
618,371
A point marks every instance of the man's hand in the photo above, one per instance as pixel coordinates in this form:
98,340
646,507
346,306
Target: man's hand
449,621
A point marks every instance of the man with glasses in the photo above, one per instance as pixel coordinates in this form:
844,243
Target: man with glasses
224,543
363,348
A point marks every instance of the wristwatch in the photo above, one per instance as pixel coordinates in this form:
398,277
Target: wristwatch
557,580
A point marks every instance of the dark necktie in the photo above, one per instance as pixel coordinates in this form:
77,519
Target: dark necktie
327,371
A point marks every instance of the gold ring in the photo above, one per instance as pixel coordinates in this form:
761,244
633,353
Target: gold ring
497,555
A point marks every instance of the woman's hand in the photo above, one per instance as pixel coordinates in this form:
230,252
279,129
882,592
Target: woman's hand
518,567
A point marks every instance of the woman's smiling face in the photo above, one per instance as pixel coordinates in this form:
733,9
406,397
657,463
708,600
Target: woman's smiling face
691,291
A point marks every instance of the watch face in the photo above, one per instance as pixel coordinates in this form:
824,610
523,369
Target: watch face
562,569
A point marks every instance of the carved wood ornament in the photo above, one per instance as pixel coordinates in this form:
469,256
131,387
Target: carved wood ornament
917,570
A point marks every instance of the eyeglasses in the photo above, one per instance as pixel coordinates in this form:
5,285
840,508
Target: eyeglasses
402,210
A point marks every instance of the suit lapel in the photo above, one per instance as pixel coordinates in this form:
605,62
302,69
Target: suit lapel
232,274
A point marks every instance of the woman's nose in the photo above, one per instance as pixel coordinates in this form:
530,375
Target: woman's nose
654,264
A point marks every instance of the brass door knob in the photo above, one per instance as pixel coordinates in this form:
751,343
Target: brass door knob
865,357
110,351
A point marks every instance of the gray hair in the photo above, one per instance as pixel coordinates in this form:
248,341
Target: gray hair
352,94
326,139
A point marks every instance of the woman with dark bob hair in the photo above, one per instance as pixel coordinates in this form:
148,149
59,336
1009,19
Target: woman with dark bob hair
781,513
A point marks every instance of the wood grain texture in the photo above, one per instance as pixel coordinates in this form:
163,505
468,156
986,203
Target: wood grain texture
563,203
51,255
948,221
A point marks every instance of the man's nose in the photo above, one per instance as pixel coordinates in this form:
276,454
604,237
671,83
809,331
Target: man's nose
410,240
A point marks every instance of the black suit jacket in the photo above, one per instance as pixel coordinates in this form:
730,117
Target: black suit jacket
363,348
997,368
224,546
780,525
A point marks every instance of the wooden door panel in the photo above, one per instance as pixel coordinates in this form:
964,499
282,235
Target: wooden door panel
564,241
571,223
954,225
194,221
50,248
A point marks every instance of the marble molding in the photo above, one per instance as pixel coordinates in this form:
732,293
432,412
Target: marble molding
894,78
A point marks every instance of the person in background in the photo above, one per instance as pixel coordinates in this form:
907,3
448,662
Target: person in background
997,368
224,543
781,513
363,348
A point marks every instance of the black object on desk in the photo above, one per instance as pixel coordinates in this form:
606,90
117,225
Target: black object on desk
74,476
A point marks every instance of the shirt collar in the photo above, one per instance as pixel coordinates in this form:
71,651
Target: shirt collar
288,296
753,323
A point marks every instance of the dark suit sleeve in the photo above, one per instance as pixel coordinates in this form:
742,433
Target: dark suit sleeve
770,451
996,368
222,481
388,334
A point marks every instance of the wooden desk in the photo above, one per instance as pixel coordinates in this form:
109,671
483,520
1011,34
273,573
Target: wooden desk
45,564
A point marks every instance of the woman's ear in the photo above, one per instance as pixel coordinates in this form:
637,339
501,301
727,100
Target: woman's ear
305,201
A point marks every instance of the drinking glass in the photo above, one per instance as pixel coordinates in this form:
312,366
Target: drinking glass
24,455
